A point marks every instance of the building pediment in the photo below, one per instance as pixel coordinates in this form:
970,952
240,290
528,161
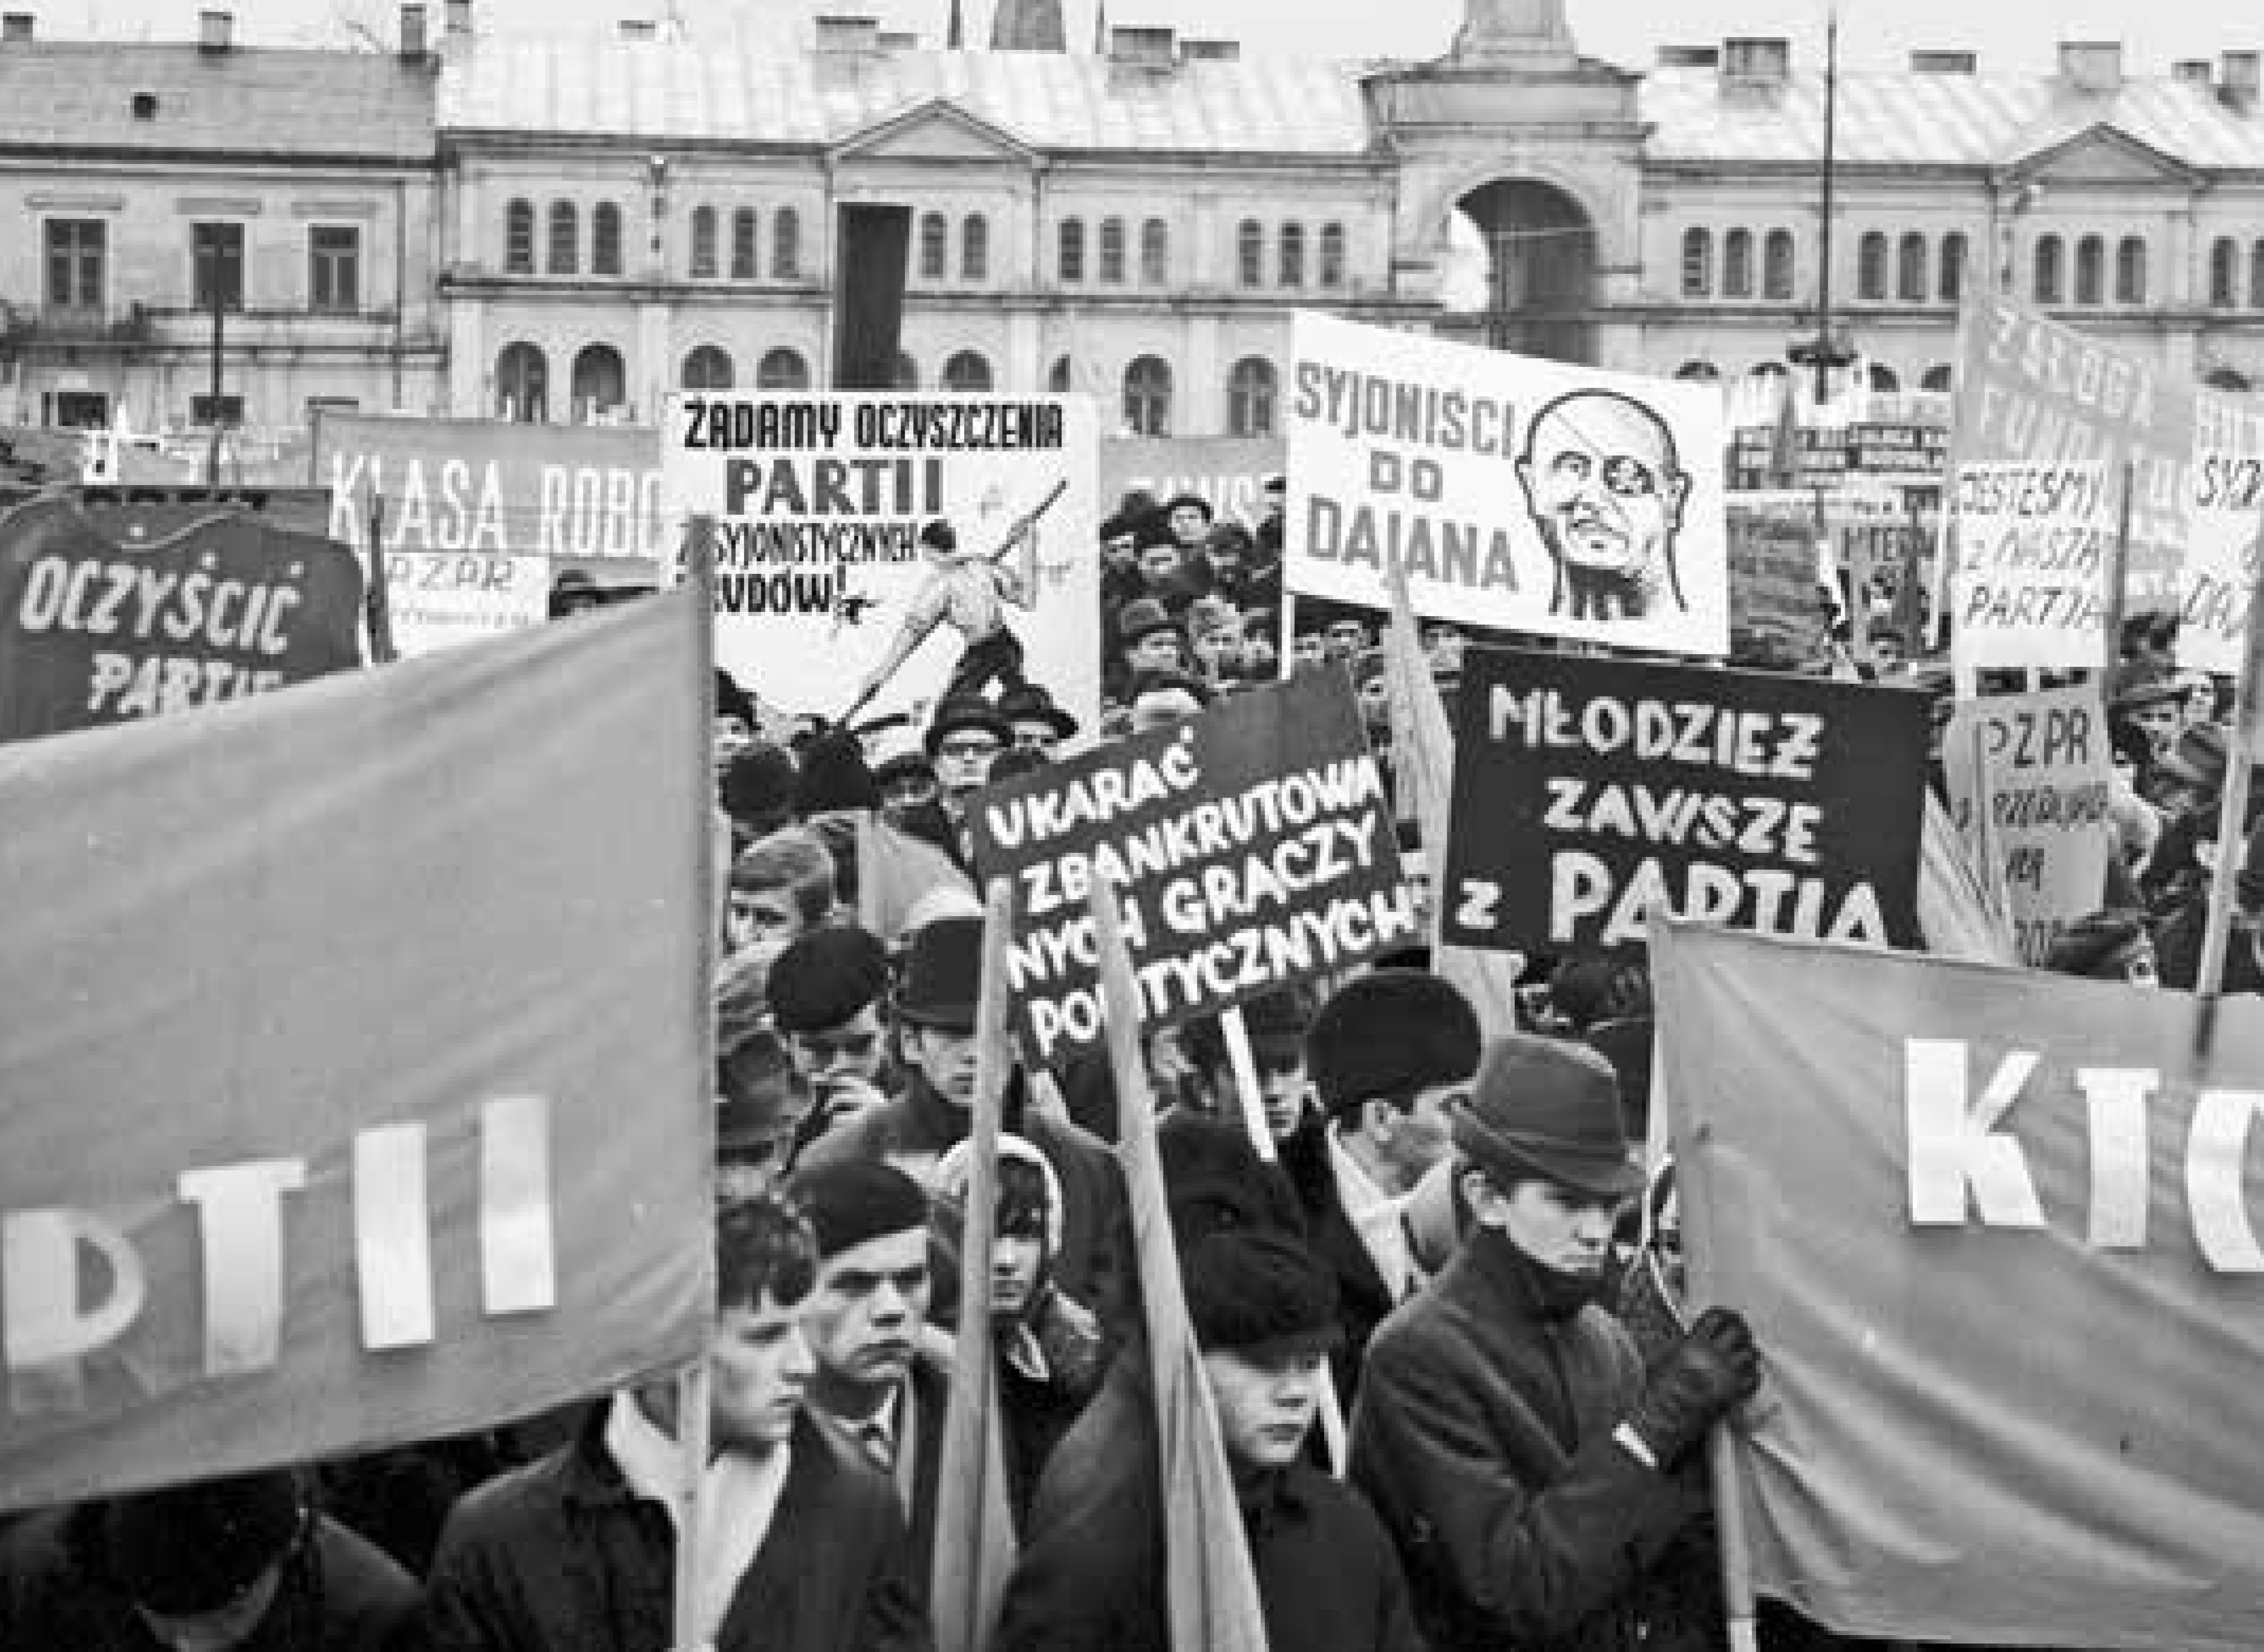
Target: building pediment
2101,153
938,130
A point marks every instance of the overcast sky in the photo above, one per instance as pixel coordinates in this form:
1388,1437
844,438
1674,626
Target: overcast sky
2009,34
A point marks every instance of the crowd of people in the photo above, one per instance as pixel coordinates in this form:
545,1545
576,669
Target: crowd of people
1437,1306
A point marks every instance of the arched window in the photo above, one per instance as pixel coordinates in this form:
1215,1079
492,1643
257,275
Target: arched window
606,239
519,238
523,382
1293,254
786,245
905,374
1699,372
1071,249
600,381
2130,271
2051,280
2256,276
1249,253
781,369
565,238
708,368
967,373
1881,378
2091,270
1910,270
1148,397
1250,391
1697,263
1333,257
1154,253
703,244
1061,377
1776,266
1939,377
1738,264
934,246
1871,265
1949,278
975,248
2224,258
1112,251
743,242
2226,379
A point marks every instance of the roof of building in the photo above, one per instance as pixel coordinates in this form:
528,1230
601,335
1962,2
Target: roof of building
1906,118
295,104
743,88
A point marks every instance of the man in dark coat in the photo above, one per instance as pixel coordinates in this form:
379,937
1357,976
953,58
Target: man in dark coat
1092,1569
802,1546
1505,1432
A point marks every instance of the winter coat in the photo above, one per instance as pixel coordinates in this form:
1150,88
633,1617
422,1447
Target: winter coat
1482,1437
1091,1571
562,1556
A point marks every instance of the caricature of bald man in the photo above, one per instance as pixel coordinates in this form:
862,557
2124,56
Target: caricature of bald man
1602,484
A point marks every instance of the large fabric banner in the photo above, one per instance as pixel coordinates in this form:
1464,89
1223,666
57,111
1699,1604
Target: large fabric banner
1996,1252
353,1060
1228,472
875,552
1517,493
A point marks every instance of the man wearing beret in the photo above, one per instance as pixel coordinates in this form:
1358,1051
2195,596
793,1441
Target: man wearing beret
1505,1430
828,992
1386,1053
1092,1574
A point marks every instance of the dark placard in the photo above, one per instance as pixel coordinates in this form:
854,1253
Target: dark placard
1587,791
1826,456
1255,846
94,631
1776,599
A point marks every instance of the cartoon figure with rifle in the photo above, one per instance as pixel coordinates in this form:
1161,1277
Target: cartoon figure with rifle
968,591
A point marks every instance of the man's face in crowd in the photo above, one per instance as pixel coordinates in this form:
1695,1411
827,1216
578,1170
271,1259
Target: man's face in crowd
1258,656
1218,651
1310,648
1600,482
852,1049
1190,523
2200,702
1283,1088
1016,1260
2161,722
1887,651
760,1365
1411,1140
762,917
2134,963
947,1056
1559,1227
732,735
1276,500
908,790
1265,1402
1158,564
1346,638
1120,553
1158,651
867,1307
1160,708
1032,733
963,759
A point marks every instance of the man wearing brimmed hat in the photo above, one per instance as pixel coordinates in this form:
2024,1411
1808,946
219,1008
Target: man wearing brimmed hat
1038,724
1092,1569
935,1018
1505,1430
1149,638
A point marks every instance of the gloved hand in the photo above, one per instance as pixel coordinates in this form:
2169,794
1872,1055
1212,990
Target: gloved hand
1705,1377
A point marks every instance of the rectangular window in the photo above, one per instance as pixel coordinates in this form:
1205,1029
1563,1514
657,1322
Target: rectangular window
230,409
75,247
334,267
218,254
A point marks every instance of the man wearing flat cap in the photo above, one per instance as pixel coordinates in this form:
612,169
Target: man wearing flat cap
1506,1431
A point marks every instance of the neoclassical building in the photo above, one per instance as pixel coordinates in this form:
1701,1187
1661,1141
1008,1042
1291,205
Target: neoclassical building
566,227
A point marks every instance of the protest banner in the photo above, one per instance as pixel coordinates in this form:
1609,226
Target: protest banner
93,631
1514,492
2218,576
314,1140
439,598
2027,776
494,485
875,552
1588,792
2001,1263
1777,598
2030,388
1228,472
2034,552
1255,846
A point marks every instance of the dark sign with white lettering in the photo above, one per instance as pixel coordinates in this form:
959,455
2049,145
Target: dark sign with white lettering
93,631
1589,791
1254,847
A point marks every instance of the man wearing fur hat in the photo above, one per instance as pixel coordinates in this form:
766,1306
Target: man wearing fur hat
1092,1574
1506,1431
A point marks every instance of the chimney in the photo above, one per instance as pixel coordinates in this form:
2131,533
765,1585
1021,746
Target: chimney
1757,59
456,18
639,29
15,26
1139,47
2193,71
412,33
2091,66
1935,62
215,31
1029,26
2238,77
1690,56
847,36
1210,51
